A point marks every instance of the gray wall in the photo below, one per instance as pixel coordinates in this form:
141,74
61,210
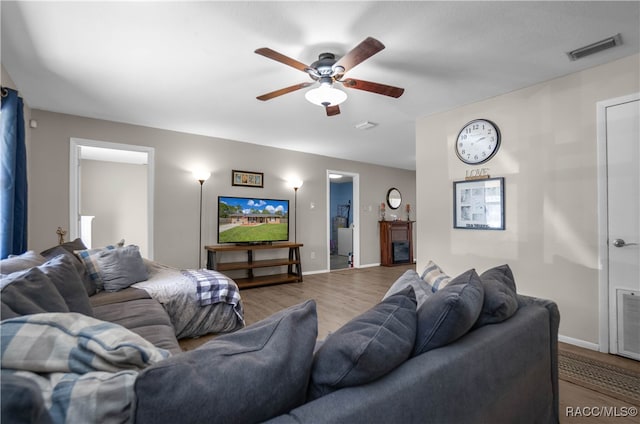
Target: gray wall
177,193
548,158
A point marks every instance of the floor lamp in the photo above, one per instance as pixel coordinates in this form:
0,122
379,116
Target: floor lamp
296,184
201,176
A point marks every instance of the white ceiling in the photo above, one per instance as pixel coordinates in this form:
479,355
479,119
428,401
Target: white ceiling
190,66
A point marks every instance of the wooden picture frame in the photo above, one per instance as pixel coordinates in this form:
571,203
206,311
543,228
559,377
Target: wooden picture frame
247,178
479,204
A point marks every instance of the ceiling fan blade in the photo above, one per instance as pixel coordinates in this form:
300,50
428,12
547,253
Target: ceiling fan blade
271,95
360,53
373,87
279,57
332,110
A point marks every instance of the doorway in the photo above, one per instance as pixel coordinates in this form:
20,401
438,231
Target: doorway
619,226
342,212
111,194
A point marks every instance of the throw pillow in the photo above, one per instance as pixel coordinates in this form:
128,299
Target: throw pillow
87,282
69,246
435,277
411,279
62,273
500,298
252,375
367,347
29,292
15,263
121,267
449,313
89,259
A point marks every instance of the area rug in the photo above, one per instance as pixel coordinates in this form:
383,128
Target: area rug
617,382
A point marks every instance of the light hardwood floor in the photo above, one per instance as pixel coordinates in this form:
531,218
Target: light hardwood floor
345,294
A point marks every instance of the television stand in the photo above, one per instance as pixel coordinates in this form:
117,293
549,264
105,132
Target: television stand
292,262
254,243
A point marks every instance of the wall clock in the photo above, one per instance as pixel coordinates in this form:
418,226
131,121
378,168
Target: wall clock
478,141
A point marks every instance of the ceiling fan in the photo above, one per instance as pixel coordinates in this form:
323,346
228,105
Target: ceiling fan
328,70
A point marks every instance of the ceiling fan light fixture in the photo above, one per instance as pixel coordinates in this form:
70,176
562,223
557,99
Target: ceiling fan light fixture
325,95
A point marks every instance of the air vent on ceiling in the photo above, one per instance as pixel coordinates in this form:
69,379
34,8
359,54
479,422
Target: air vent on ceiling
365,125
596,47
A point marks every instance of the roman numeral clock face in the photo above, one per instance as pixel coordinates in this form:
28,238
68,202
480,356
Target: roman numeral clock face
478,141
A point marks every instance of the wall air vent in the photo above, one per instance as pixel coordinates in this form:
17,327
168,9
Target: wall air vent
596,47
628,306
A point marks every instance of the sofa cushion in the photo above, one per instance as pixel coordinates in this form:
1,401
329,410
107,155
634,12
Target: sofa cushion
435,277
29,292
125,295
367,347
500,298
411,279
121,267
62,273
145,317
15,263
450,312
89,259
256,373
67,249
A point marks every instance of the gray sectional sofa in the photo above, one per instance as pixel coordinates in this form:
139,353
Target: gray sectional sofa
499,374
73,291
467,349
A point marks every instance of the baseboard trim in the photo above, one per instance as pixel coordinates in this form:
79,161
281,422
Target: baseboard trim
320,271
579,343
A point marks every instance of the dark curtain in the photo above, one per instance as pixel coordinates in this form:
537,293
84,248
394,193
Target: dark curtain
13,228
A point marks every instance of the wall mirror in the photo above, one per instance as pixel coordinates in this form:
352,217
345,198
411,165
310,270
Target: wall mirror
394,198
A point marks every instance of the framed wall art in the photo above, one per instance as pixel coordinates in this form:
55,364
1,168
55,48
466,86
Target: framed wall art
247,178
479,204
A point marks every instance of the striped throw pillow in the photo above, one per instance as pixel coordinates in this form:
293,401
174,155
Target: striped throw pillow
89,258
435,277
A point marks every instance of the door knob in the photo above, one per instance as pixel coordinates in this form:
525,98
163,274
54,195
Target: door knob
622,243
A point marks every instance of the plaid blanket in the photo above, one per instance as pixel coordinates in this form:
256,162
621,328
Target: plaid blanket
213,287
84,367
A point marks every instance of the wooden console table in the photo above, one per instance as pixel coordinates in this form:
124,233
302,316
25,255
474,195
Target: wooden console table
292,262
396,242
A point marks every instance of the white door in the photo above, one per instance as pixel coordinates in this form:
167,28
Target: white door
623,203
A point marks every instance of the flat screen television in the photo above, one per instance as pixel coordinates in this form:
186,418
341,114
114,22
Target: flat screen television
252,220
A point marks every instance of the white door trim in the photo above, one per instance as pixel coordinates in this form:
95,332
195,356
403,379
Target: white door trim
355,207
74,183
603,216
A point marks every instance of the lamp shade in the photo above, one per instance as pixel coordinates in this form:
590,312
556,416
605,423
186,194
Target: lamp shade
201,175
325,95
295,183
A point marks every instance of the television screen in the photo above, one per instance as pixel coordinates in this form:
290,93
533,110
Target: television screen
252,220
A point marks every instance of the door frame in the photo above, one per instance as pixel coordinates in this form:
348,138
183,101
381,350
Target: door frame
355,209
74,183
604,310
